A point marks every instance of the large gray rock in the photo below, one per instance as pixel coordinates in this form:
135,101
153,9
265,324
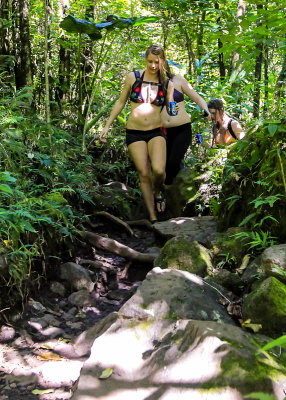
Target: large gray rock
201,229
273,261
77,276
173,294
150,352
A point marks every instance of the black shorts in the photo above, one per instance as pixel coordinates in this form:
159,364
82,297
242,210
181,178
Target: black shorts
134,135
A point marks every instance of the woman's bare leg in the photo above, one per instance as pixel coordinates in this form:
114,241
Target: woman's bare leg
157,154
139,153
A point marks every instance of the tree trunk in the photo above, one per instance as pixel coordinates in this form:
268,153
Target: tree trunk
220,55
201,36
257,77
62,91
4,38
266,80
280,86
241,6
21,43
46,58
191,55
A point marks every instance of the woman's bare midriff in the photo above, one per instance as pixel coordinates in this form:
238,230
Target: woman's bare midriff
144,117
181,118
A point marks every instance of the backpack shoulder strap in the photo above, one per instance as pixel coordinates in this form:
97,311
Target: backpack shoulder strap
229,127
137,81
137,75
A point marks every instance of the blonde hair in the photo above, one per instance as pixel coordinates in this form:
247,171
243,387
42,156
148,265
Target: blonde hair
165,72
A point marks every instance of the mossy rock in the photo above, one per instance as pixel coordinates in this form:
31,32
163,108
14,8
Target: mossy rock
185,255
266,305
273,261
228,245
229,280
183,190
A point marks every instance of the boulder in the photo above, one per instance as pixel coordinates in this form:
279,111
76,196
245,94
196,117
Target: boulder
229,245
202,229
182,254
266,305
151,353
229,280
273,261
77,276
116,198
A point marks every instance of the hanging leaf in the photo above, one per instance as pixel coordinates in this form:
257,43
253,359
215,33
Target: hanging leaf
74,25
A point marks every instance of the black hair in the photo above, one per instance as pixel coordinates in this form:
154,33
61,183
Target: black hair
217,104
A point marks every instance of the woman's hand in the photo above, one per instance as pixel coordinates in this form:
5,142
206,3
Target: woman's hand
103,134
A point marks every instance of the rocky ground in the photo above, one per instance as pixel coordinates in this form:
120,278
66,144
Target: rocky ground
37,356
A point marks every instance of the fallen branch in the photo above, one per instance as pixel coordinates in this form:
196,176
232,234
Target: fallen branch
115,247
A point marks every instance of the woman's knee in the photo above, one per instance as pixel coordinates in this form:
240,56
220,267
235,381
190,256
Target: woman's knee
144,176
158,172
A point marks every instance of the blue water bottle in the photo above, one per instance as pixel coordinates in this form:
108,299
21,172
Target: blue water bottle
172,108
199,138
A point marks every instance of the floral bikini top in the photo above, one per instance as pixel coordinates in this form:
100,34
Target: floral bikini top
136,94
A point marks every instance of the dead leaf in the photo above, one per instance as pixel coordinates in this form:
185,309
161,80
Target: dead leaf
254,327
49,356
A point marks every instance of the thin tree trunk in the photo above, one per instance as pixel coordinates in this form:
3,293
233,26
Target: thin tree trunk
46,58
191,56
257,77
241,7
21,42
62,91
201,36
280,86
266,80
220,55
4,38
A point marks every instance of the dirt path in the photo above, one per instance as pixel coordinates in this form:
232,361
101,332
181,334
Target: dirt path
36,357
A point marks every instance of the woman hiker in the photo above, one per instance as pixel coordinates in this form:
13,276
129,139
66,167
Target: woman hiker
178,128
148,90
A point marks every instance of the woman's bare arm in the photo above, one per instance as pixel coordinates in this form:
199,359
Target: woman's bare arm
119,105
192,94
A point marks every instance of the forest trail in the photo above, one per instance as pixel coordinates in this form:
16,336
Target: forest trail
37,356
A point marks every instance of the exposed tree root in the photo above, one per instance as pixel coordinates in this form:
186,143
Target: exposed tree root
116,220
141,222
115,247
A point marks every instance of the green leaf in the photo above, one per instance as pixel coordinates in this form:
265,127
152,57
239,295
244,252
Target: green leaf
6,188
272,129
74,25
277,342
247,218
145,20
44,391
106,373
260,396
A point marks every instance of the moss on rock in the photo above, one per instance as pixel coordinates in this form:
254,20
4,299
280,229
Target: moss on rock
182,254
266,305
